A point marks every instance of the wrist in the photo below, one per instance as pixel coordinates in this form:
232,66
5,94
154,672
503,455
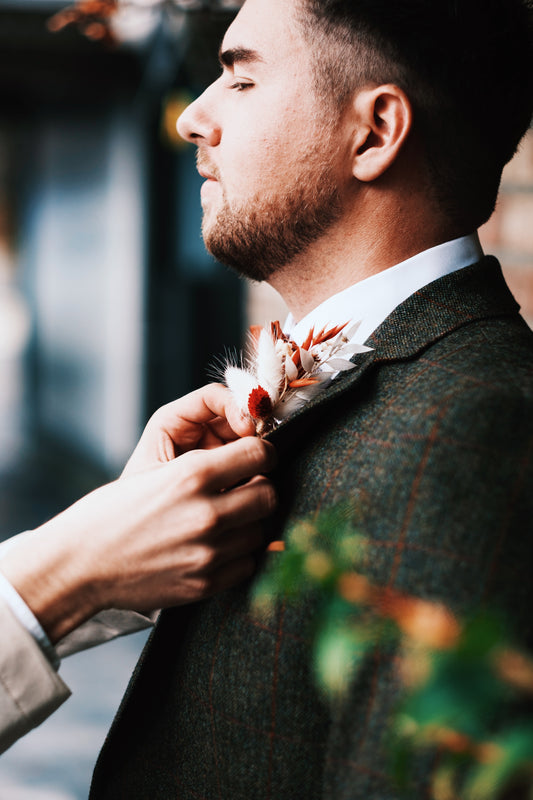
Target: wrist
27,619
43,569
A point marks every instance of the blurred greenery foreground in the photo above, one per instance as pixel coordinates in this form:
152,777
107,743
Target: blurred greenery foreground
467,690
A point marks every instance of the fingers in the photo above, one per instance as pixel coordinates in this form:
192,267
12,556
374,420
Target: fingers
204,419
231,545
253,501
227,466
182,417
240,543
232,573
232,561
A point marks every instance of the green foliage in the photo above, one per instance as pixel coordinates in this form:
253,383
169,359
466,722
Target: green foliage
318,552
513,760
458,697
462,691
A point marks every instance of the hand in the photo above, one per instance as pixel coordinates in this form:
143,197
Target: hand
204,419
172,534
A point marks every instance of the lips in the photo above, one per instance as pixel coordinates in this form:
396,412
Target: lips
207,171
206,175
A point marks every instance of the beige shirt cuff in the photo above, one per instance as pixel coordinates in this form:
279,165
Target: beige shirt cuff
102,628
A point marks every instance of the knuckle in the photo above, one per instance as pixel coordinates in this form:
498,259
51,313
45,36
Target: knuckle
204,586
197,481
204,559
209,518
264,496
196,471
270,497
256,451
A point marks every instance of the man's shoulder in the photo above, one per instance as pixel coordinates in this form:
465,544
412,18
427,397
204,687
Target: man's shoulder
461,330
474,383
476,378
490,357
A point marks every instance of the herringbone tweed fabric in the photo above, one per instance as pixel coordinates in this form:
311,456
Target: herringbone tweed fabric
431,440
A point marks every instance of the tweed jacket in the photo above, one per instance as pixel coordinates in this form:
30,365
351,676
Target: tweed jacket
430,439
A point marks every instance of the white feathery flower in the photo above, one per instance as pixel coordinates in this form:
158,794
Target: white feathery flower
241,383
269,366
281,376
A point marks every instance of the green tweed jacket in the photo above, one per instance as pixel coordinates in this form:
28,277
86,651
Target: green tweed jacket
431,439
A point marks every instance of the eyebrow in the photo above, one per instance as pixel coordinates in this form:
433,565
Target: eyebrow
238,55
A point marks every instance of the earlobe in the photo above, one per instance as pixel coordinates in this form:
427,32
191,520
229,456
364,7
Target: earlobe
383,119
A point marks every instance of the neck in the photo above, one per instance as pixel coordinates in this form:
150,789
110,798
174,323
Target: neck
351,251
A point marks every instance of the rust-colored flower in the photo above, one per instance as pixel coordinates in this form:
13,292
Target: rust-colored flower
285,372
430,624
259,403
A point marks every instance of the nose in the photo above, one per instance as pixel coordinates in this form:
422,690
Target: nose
197,123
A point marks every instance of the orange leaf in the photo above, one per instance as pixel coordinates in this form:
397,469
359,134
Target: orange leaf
298,384
324,335
307,344
275,327
255,333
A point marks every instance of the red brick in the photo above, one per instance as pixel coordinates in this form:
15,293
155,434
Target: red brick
490,233
519,278
514,224
520,170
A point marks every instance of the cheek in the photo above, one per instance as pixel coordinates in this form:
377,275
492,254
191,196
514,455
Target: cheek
262,144
253,163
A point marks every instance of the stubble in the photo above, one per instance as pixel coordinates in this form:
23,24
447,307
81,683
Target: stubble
259,236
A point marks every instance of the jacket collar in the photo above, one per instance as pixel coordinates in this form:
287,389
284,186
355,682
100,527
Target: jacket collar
458,299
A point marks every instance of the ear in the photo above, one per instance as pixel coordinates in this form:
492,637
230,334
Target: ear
382,118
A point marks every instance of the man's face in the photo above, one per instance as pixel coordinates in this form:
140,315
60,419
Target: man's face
266,145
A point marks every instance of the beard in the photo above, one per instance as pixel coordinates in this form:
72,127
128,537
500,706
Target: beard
259,237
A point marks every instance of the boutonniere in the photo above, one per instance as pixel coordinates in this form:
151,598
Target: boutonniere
277,376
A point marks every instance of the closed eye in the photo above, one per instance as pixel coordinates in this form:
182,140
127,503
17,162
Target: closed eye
240,86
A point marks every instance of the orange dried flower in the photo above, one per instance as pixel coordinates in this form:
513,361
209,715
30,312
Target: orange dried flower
279,376
430,624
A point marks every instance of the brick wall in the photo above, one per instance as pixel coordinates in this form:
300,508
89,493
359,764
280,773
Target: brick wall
509,233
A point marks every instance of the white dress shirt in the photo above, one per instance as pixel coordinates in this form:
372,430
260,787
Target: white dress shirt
373,299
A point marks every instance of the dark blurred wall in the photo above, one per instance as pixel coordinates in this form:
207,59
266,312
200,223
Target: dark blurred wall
127,310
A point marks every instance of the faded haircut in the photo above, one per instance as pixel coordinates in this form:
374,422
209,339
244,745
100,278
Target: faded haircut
466,66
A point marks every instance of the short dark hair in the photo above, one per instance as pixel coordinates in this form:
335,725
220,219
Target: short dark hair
467,68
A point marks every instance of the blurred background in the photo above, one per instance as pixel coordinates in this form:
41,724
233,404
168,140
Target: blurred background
109,304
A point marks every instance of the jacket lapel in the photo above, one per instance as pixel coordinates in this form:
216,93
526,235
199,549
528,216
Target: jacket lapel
436,310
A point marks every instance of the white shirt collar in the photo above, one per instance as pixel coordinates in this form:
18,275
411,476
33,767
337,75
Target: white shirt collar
373,299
